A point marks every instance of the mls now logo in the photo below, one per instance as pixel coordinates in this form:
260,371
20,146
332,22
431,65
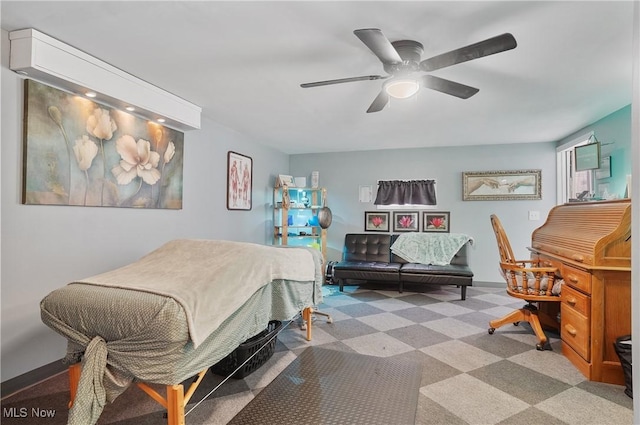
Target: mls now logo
14,412
42,413
23,412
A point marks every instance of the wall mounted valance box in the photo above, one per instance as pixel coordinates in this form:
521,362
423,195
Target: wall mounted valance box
501,185
45,59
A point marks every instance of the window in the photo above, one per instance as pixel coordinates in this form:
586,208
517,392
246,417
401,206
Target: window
406,193
574,184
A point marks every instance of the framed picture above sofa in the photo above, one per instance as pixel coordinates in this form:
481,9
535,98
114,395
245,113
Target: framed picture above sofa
376,221
436,221
406,221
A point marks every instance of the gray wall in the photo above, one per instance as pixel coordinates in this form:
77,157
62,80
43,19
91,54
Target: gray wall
342,173
45,247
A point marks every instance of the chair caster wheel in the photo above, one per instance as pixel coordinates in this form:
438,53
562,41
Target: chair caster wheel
539,347
491,331
329,320
516,323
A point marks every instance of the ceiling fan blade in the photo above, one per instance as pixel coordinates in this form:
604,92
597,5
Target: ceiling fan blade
379,45
449,87
379,102
487,47
344,80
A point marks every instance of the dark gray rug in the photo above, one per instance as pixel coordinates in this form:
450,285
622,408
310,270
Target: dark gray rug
322,387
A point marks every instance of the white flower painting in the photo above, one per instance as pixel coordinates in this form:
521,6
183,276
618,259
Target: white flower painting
78,152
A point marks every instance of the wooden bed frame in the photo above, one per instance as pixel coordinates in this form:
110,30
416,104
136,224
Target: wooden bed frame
176,399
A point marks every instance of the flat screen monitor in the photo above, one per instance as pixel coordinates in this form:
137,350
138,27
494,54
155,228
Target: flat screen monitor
587,156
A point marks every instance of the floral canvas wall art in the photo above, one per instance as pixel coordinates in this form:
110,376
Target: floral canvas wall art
436,221
376,221
78,152
405,221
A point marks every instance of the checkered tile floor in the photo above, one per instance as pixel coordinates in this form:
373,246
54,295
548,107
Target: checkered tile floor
469,376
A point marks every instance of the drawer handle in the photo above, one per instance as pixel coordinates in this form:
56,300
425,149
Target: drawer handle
573,278
578,257
571,301
571,330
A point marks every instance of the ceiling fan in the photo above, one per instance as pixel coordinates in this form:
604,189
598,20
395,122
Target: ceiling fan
401,59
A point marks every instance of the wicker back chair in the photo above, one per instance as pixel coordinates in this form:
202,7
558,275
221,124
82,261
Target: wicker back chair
526,280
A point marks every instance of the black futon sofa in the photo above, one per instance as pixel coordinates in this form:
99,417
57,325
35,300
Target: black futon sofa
368,257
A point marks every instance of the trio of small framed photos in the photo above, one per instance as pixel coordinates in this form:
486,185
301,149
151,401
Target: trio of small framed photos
407,221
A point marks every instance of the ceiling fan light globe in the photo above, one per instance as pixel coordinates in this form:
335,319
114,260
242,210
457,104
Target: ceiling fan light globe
402,88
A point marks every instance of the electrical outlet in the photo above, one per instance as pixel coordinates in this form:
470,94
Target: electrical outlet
534,215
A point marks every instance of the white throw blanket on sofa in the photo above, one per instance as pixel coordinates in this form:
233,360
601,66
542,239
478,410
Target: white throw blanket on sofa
428,248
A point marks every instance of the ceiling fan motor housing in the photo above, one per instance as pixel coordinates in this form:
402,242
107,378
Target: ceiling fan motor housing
401,60
410,51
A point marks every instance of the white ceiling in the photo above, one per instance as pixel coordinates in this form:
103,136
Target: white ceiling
243,63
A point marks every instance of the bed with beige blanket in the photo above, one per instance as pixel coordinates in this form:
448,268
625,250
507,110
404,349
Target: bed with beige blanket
172,314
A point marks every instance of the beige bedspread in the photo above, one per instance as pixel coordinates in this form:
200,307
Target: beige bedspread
132,323
209,278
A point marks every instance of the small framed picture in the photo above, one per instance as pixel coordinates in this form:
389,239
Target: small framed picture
406,221
436,221
376,221
239,181
284,180
605,168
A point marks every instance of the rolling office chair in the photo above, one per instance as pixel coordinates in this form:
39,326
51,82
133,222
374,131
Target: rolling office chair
528,281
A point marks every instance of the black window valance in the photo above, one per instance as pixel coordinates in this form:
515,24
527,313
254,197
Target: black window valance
406,192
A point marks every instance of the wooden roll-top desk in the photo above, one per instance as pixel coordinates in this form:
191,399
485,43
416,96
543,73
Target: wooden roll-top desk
590,244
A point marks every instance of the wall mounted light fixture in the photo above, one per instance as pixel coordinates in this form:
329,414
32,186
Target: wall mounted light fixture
40,57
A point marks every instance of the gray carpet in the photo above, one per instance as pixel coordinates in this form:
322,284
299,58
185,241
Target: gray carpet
323,387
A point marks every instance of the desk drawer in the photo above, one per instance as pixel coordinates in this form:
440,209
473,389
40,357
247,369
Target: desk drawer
577,278
549,262
578,301
574,330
